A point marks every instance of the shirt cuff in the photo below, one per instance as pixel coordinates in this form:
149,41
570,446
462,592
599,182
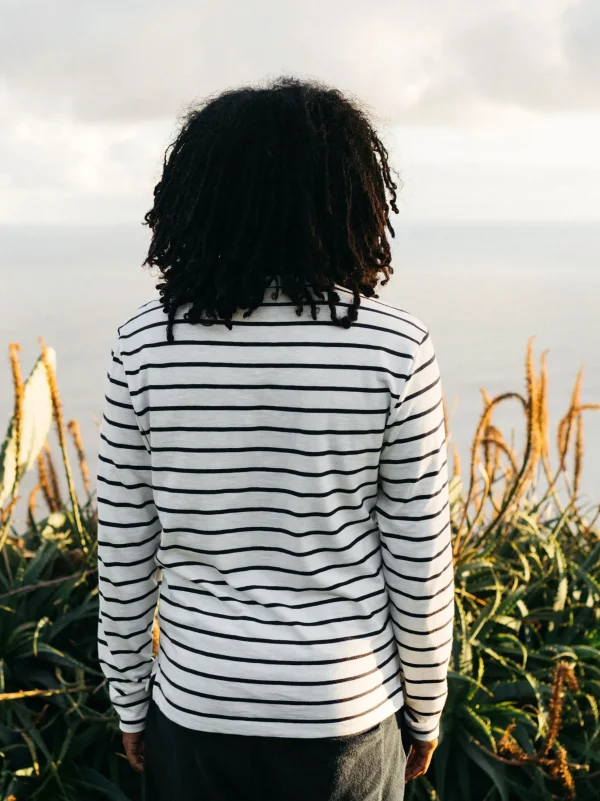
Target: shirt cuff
431,732
131,728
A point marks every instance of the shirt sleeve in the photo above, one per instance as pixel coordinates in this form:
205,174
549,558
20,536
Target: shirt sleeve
128,537
413,516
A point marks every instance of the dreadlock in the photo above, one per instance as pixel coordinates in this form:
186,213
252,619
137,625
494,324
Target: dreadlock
283,184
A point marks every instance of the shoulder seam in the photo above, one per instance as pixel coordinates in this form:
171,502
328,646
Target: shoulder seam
393,312
140,313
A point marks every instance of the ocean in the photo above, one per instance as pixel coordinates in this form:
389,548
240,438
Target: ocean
482,290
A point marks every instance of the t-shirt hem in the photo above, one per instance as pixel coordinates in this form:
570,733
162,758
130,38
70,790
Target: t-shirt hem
287,729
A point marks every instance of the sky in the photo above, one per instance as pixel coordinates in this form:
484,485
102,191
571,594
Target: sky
490,108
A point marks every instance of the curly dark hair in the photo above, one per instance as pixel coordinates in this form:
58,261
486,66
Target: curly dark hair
284,184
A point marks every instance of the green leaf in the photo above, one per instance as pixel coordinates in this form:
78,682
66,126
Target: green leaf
43,559
494,770
485,615
94,780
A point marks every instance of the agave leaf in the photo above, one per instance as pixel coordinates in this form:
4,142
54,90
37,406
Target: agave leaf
509,622
77,614
531,524
466,569
29,771
542,613
591,561
461,677
40,625
495,771
39,741
479,727
463,775
65,746
563,582
465,657
85,737
43,558
93,780
35,425
486,617
495,656
589,580
512,599
480,674
586,651
512,690
58,657
441,763
524,562
509,644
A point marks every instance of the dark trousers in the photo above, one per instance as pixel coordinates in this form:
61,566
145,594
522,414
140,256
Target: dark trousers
186,765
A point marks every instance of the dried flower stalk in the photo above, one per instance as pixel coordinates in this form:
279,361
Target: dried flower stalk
44,484
74,430
19,389
7,512
455,462
484,421
558,765
60,428
495,436
53,477
578,456
31,505
565,429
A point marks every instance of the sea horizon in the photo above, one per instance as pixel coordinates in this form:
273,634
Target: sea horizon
483,289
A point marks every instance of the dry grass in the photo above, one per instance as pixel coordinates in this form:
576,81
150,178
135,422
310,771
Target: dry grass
62,439
511,477
75,433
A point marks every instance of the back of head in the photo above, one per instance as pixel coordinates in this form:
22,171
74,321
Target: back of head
287,183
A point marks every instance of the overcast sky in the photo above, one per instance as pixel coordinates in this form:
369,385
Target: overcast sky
491,108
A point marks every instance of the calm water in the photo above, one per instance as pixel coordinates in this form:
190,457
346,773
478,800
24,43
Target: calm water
482,290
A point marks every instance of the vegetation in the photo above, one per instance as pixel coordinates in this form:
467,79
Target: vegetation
522,718
58,734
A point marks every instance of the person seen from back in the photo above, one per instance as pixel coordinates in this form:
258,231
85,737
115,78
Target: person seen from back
273,471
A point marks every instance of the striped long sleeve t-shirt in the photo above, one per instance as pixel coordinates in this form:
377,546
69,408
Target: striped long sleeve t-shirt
280,490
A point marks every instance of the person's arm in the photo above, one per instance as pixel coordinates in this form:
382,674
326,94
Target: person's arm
128,537
412,513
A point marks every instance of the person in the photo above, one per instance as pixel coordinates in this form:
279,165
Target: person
273,471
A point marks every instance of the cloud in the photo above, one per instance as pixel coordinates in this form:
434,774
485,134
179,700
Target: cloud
444,60
57,168
89,92
582,35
